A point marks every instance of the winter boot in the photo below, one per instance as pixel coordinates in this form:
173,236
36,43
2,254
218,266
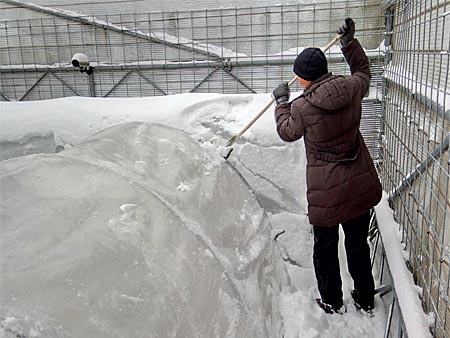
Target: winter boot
365,303
328,308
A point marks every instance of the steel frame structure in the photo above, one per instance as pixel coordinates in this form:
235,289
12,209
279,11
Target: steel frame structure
250,50
173,52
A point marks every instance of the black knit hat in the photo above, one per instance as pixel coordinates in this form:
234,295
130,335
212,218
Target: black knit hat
311,64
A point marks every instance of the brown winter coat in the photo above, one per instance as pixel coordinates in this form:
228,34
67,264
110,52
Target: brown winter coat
341,179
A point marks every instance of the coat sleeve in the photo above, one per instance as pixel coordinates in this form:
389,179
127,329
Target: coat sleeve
290,126
359,65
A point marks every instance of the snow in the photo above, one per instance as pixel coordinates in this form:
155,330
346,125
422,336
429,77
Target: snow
103,243
132,208
432,96
416,321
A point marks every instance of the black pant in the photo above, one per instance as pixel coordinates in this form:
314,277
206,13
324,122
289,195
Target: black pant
326,261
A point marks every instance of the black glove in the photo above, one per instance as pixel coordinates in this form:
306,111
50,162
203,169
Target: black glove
348,31
282,93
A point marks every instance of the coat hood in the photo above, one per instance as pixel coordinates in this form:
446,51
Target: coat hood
330,92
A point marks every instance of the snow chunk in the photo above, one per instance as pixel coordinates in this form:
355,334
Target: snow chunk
183,187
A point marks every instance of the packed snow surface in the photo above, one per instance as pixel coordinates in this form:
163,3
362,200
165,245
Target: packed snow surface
138,227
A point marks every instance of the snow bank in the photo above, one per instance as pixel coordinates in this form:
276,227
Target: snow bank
136,231
148,194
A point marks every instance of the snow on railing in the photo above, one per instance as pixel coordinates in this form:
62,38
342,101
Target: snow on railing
437,97
415,320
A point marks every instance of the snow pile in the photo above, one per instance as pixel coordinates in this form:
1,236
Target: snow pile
132,220
135,231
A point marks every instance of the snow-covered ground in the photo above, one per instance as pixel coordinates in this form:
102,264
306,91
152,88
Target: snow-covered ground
166,169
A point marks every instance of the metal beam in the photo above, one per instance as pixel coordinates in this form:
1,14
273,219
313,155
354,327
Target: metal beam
204,80
117,84
152,83
33,86
166,66
240,81
65,84
91,85
5,97
421,168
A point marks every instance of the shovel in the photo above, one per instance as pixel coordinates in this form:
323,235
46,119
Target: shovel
233,139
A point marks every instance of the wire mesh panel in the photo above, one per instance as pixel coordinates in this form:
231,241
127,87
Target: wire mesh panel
228,50
415,144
